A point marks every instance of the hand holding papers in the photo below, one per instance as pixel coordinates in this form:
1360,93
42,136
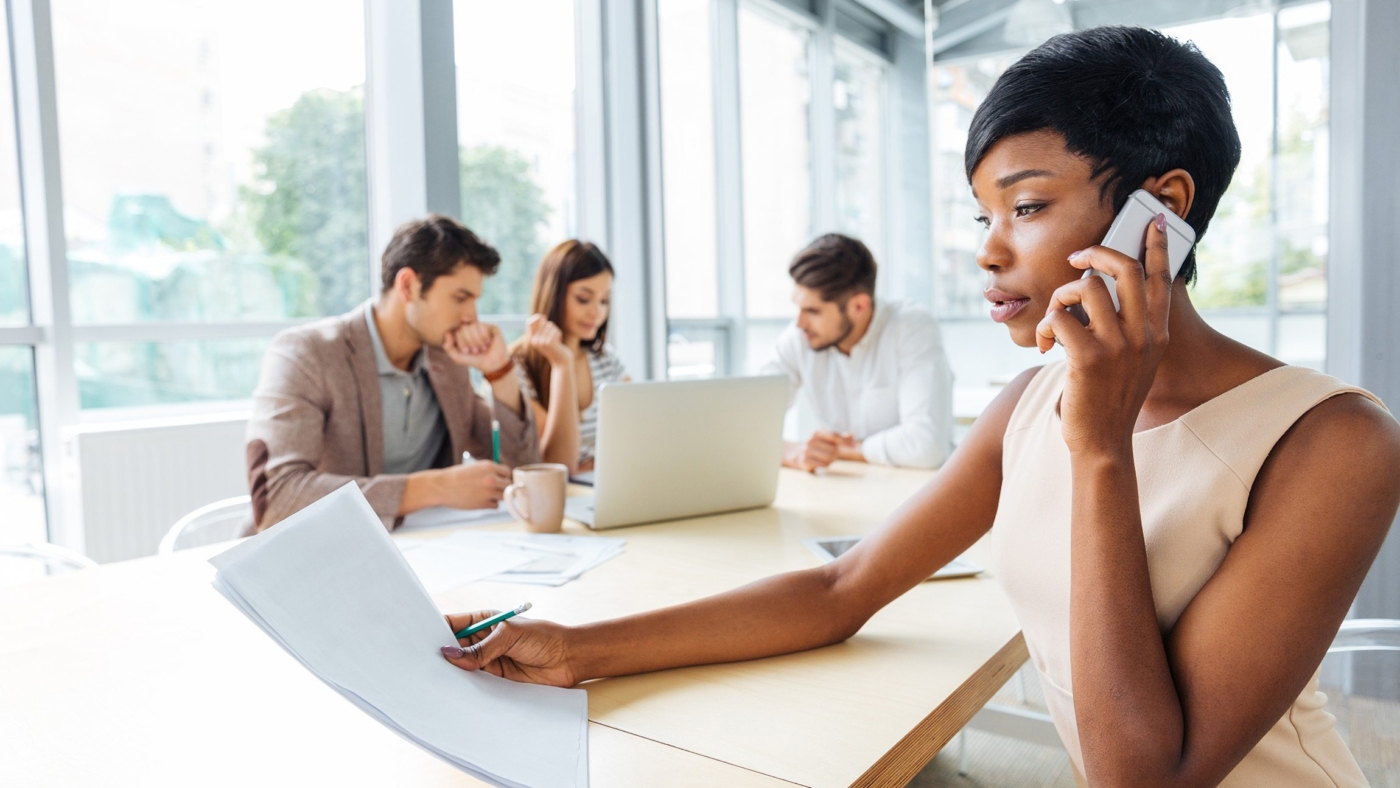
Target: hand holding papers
330,587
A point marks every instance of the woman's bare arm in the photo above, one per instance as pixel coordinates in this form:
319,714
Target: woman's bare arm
1183,708
559,438
786,613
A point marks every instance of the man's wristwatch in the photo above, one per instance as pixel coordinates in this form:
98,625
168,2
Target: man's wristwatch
492,377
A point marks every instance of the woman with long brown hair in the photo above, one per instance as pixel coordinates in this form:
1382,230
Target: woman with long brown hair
564,357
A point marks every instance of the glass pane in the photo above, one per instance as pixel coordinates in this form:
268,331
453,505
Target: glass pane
858,98
21,468
1303,73
774,95
1233,258
1302,339
214,163
515,121
688,157
14,285
957,90
695,351
131,374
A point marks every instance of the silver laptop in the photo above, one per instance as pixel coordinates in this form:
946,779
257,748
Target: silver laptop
672,449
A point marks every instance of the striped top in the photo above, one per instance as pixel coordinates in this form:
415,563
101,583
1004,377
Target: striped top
604,367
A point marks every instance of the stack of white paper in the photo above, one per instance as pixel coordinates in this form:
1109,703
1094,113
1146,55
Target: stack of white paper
552,559
330,587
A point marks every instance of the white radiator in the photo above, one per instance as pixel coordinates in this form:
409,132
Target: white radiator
129,482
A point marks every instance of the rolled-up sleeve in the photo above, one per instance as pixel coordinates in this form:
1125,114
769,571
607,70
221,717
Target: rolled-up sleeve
924,436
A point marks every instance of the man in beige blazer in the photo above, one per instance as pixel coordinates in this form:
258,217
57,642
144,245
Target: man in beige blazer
382,396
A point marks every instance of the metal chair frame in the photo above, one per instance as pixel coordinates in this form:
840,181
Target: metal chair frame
228,510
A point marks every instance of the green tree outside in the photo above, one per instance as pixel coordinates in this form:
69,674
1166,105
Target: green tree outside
502,203
309,205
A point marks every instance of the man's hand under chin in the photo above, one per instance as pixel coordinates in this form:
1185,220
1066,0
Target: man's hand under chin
479,345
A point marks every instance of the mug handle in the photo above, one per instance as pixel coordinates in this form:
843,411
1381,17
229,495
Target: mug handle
510,498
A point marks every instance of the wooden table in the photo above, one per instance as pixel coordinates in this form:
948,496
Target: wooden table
139,673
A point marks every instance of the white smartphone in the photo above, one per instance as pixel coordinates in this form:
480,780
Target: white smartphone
1128,235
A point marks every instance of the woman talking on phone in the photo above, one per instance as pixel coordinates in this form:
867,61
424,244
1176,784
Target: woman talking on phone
1181,522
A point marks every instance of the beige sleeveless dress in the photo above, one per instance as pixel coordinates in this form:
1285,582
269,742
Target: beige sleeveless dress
1194,478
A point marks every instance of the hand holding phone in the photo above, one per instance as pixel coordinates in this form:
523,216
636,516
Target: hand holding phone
1128,235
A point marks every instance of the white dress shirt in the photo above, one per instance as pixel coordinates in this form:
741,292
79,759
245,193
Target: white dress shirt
894,392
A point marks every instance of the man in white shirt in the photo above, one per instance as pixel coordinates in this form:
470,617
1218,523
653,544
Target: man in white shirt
875,374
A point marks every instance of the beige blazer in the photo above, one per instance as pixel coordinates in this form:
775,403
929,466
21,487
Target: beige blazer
317,421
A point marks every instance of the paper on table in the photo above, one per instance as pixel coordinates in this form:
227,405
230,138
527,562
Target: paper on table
583,553
445,567
329,586
445,517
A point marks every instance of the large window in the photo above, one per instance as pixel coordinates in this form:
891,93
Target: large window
214,172
859,102
14,284
776,124
515,121
696,338
775,94
21,469
1262,264
137,374
688,157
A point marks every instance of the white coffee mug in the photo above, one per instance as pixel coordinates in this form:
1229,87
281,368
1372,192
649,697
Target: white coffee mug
537,496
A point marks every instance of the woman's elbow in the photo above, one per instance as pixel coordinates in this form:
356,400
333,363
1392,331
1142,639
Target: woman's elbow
846,613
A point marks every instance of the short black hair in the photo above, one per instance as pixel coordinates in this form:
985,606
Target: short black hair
433,246
1135,102
836,266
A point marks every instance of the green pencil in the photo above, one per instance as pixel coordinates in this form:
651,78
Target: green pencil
492,621
495,441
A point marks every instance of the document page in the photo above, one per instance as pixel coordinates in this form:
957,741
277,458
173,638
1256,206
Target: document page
329,585
444,517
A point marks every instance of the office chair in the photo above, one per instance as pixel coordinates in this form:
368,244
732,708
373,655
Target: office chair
215,522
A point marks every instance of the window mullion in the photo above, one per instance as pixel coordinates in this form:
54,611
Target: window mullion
729,185
41,186
823,124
